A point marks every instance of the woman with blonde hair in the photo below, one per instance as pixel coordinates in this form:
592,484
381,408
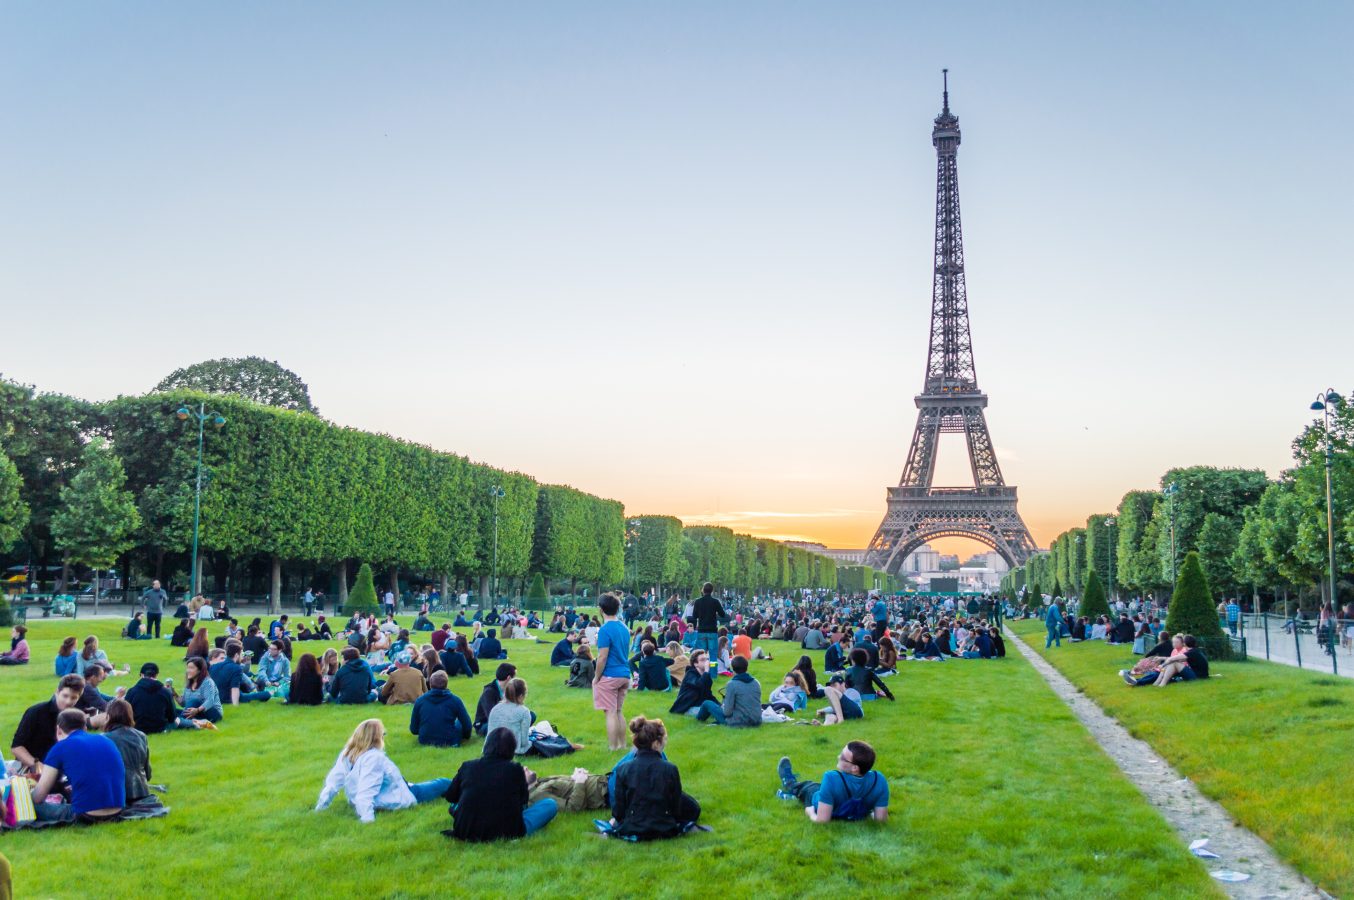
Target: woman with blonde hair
329,665
680,661
371,780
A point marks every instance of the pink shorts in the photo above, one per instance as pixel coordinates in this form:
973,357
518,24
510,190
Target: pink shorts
609,693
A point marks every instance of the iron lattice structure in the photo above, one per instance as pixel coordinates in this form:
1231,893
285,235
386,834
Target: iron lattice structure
951,402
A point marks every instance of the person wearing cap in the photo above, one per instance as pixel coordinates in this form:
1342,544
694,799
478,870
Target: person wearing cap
405,684
842,705
152,703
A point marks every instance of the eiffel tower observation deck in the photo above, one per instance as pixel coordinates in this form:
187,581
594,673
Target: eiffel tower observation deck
950,402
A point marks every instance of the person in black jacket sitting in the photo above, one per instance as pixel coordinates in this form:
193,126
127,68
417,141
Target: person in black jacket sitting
695,696
183,633
863,678
648,803
488,796
492,694
354,682
490,647
152,705
653,669
439,717
562,654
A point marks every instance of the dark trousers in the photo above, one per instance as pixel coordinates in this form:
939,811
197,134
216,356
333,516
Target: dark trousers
688,810
153,622
805,790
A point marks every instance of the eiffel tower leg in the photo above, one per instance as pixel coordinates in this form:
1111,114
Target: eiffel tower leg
981,456
921,456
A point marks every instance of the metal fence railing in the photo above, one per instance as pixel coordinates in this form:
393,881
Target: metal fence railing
1305,643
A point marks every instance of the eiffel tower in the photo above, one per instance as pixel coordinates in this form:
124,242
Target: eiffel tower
950,402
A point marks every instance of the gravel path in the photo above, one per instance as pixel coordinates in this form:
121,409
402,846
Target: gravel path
1189,812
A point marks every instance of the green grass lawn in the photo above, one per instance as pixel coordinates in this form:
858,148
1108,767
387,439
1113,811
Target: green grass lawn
1271,743
996,790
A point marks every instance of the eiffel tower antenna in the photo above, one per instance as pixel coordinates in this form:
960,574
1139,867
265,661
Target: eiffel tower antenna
950,402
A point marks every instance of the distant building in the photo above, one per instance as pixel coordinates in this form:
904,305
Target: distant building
981,572
810,546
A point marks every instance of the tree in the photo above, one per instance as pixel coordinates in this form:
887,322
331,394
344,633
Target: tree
1130,571
1201,490
44,436
13,510
252,378
1093,602
657,550
1217,543
98,516
362,598
1192,609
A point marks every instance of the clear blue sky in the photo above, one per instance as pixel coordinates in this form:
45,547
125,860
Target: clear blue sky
678,254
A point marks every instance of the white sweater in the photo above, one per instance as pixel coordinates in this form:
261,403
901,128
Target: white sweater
371,783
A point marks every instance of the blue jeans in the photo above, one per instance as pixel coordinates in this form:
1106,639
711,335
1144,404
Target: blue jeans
538,815
708,709
255,696
707,641
1055,636
427,791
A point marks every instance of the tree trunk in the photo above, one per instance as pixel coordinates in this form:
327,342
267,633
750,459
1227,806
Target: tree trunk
275,596
65,571
445,587
395,580
484,590
159,566
341,572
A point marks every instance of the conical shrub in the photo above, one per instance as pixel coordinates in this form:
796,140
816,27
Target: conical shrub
537,595
1192,610
1093,601
362,598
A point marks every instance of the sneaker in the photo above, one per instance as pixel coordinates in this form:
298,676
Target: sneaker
603,826
1128,678
203,723
787,774
785,795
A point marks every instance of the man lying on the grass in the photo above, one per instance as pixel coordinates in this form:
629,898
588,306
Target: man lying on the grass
1186,663
850,792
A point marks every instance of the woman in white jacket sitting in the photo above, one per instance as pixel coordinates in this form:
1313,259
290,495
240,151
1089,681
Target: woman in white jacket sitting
371,780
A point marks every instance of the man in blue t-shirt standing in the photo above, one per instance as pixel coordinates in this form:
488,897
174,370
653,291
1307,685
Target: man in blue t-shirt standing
612,680
850,792
93,766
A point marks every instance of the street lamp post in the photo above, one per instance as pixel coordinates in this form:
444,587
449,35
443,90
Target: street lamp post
497,492
217,421
634,549
1076,574
1326,403
1109,527
1169,493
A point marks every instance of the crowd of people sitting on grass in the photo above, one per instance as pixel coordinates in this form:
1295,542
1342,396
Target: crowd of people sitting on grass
1165,658
82,743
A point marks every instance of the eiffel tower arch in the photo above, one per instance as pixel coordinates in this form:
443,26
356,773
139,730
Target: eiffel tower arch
950,402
